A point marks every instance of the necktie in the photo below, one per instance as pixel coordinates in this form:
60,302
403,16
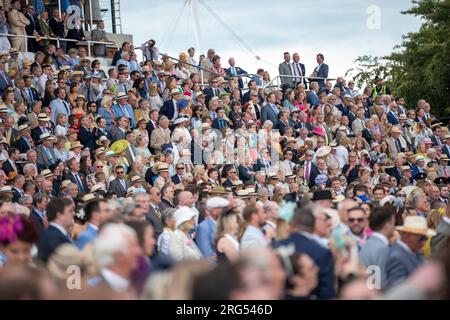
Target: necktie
123,185
124,88
79,183
8,136
397,143
66,107
275,109
307,171
88,95
30,93
125,111
49,155
158,213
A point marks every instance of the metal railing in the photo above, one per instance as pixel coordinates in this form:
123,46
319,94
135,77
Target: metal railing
58,40
279,77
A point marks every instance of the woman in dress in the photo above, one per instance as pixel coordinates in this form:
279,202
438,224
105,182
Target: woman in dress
226,242
143,111
80,107
73,94
153,97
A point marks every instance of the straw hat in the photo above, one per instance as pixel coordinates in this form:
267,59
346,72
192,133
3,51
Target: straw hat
43,117
99,151
76,144
24,127
416,225
396,130
130,191
174,92
47,173
135,179
65,183
102,139
323,151
121,95
88,197
163,167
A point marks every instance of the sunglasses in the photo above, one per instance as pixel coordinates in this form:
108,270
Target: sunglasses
180,168
99,167
119,172
353,220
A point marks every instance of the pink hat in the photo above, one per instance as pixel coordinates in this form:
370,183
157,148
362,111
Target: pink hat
374,144
427,141
319,131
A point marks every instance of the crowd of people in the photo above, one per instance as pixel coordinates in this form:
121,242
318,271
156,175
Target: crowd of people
141,181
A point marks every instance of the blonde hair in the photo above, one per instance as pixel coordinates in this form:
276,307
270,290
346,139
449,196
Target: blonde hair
225,225
105,101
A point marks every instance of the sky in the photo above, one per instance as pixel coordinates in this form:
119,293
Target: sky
341,30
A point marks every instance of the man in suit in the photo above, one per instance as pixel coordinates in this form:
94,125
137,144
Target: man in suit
301,238
57,26
44,29
37,216
85,134
160,136
169,108
298,70
130,151
213,90
437,137
376,249
42,127
119,185
121,130
123,109
321,71
285,69
96,213
206,230
59,105
60,213
10,133
18,22
152,124
17,187
394,142
404,256
392,115
219,123
167,196
24,142
99,34
313,97
270,110
154,214
235,72
283,121
177,177
101,130
311,171
9,165
32,29
44,151
76,177
5,80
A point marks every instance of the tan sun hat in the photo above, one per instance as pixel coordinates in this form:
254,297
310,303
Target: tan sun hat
416,225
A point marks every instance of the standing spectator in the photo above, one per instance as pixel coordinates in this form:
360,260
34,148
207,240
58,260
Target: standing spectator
32,29
18,23
99,34
5,45
57,26
45,30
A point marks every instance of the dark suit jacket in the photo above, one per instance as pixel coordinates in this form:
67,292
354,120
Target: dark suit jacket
392,119
14,135
87,138
209,94
165,204
118,134
175,179
16,195
116,187
57,27
281,126
71,177
150,128
50,240
244,173
37,221
7,167
227,183
321,256
268,113
22,145
394,172
157,223
3,83
218,124
168,109
323,73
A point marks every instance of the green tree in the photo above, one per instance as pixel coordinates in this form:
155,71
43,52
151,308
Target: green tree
419,68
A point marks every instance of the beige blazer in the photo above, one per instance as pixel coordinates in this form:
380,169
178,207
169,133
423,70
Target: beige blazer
17,21
159,138
183,248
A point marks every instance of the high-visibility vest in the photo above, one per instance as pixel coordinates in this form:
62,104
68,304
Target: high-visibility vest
375,93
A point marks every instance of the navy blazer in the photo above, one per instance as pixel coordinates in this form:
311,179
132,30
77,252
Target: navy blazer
50,240
87,138
22,145
392,119
268,113
7,167
321,256
36,219
323,73
239,71
168,109
71,177
36,133
244,173
175,179
400,264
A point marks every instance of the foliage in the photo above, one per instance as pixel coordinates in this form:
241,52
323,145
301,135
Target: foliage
420,68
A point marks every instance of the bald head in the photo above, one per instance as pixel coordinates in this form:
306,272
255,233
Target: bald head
185,199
